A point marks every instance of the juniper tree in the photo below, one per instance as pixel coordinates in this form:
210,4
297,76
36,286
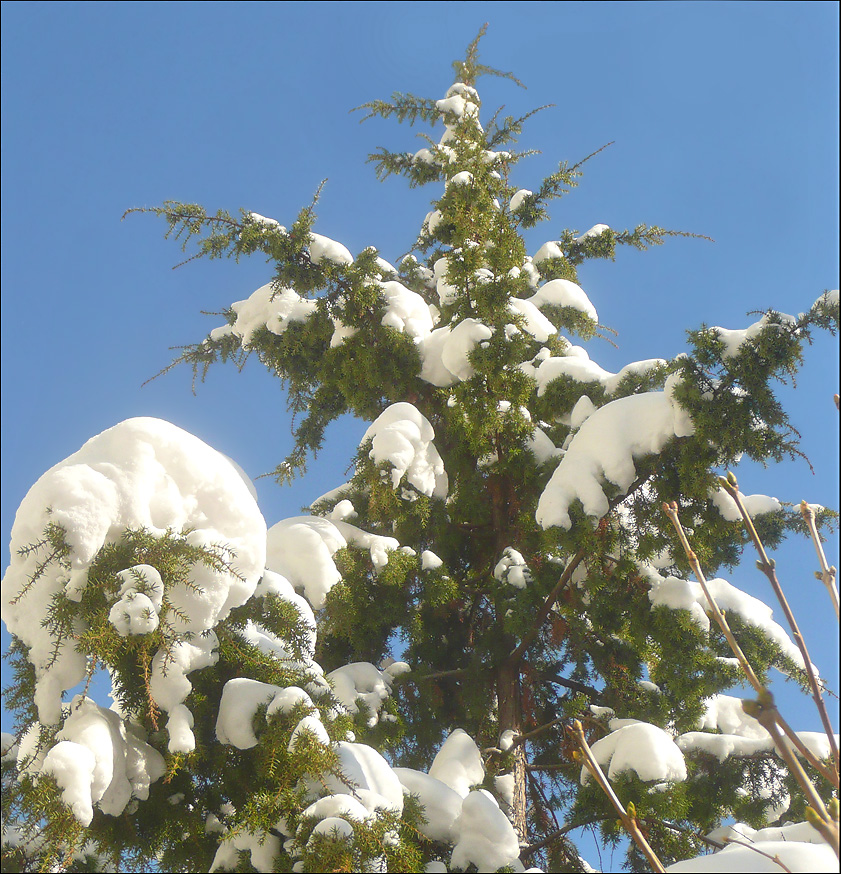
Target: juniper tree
502,537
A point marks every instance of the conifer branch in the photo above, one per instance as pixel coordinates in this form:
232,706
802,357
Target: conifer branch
404,107
584,160
548,604
469,70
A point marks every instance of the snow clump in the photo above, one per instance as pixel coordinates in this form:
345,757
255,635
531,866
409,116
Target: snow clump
402,437
604,448
141,474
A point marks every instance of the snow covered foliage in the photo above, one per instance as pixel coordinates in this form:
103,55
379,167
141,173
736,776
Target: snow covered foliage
501,535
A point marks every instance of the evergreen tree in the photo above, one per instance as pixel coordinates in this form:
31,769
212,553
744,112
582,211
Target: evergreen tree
502,536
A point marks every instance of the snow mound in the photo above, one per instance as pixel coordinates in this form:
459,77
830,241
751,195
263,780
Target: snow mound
563,293
143,473
98,762
640,747
679,594
402,437
458,763
486,837
604,448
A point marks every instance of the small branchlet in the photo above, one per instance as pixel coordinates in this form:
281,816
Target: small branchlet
826,574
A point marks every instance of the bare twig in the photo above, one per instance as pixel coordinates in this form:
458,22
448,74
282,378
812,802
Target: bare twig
766,565
826,574
775,859
766,714
829,774
522,738
629,820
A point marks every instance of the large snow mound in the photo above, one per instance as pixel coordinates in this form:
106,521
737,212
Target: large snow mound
604,449
143,473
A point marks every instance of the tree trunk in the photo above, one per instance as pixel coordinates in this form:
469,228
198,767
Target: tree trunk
510,717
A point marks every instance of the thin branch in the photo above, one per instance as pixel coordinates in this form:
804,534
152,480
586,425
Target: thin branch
774,858
531,849
629,820
826,574
591,155
548,604
759,688
649,820
767,566
592,693
816,814
455,672
522,738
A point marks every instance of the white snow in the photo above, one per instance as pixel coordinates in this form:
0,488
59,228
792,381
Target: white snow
371,779
645,749
517,200
429,560
486,838
240,699
333,827
268,307
576,363
458,763
309,726
277,585
550,249
136,612
595,231
512,569
679,594
734,339
142,473
98,762
798,847
361,681
268,222
564,293
442,805
604,448
756,505
402,437
263,848
324,249
465,177
535,323
301,549
406,311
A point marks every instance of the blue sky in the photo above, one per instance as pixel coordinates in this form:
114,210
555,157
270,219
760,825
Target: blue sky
724,117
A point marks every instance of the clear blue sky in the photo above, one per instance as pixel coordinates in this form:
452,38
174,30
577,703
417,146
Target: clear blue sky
725,122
